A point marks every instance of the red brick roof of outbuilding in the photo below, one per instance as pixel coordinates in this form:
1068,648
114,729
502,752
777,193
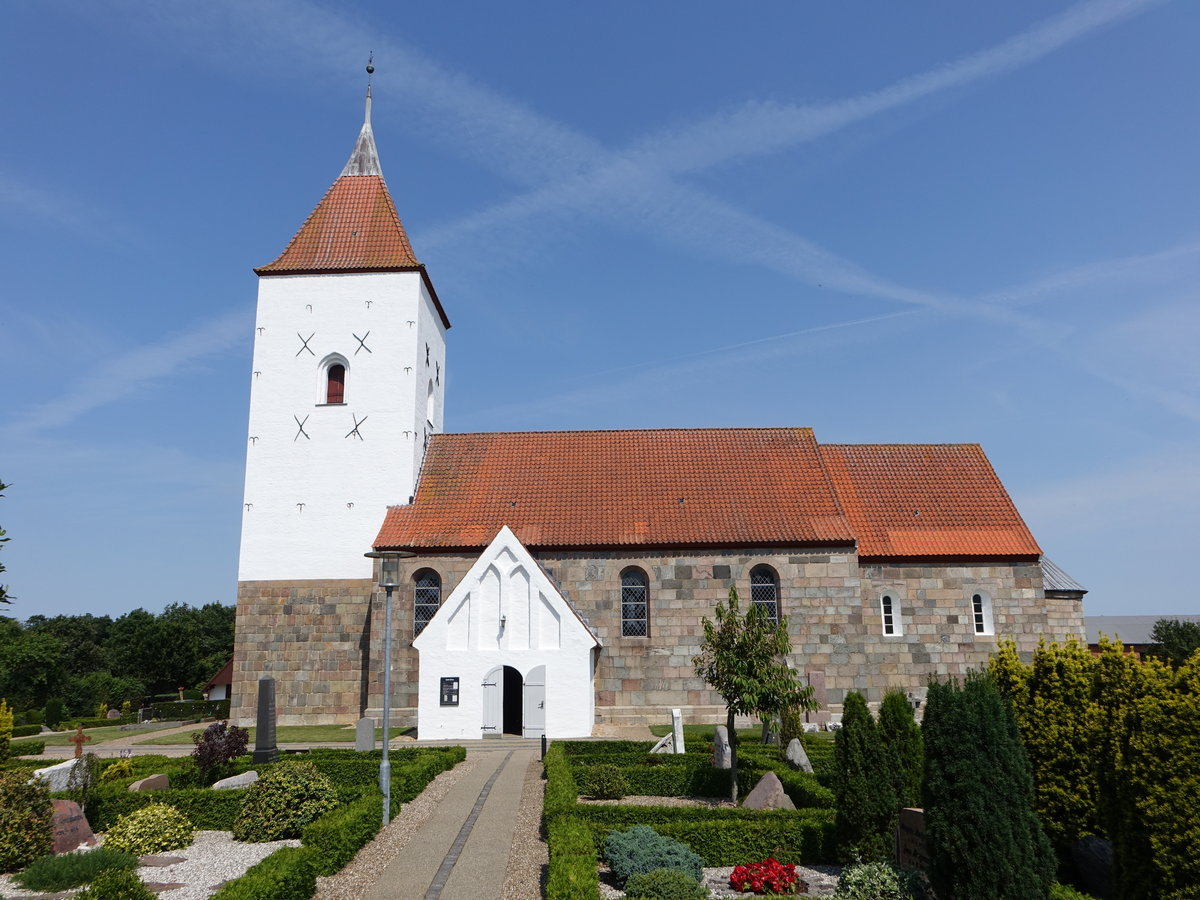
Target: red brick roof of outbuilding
926,501
702,487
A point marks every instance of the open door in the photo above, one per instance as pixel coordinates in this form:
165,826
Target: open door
493,702
534,717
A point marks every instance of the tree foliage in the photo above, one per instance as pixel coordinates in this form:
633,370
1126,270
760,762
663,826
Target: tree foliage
904,749
863,783
4,597
1174,641
743,658
983,836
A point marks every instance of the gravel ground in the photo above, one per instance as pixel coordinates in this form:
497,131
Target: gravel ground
822,882
363,871
213,858
529,858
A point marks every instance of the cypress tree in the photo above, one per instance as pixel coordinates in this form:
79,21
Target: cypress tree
903,748
866,800
983,836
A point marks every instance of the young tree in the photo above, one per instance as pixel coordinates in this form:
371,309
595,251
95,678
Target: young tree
904,750
742,658
984,839
866,798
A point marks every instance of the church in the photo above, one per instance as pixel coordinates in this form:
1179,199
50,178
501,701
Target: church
553,582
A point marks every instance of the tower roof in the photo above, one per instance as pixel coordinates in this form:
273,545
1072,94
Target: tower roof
355,227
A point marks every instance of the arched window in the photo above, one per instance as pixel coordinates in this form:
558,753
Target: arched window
335,384
427,597
429,403
764,591
981,613
635,597
889,611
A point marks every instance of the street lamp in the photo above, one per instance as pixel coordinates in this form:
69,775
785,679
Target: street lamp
389,580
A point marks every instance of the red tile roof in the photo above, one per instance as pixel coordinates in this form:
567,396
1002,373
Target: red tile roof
747,487
355,228
664,488
925,500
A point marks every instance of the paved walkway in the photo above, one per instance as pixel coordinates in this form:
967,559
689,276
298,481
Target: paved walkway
463,848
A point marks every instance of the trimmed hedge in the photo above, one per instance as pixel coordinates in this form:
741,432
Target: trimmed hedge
208,810
28,748
190,709
287,874
26,730
337,836
573,869
93,722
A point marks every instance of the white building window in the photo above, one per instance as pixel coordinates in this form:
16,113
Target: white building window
981,613
889,612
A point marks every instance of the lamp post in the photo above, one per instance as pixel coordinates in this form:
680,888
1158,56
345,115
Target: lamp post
389,580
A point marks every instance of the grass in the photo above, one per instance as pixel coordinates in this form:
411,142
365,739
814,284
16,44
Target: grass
285,734
58,873
97,735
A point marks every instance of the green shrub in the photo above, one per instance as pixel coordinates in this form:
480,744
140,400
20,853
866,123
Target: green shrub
562,793
29,748
904,752
286,874
878,881
206,809
664,884
605,783
338,835
151,829
282,802
1066,892
573,874
641,849
118,769
6,729
191,709
864,789
116,884
68,870
54,713
25,817
26,730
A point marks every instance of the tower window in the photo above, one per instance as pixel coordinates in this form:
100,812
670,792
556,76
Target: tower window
634,603
889,610
335,384
981,613
764,591
427,597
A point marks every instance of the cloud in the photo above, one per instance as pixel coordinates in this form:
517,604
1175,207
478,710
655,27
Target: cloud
21,200
132,371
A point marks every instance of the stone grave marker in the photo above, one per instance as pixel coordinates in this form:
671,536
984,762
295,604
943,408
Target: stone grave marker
910,841
364,734
769,794
159,782
57,777
265,748
677,730
113,714
70,827
796,756
79,739
236,781
722,752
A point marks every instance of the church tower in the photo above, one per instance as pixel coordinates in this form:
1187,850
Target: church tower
347,383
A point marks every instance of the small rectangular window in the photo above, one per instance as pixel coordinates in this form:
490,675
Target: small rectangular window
981,613
889,621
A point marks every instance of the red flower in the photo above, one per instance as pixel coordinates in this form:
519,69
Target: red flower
767,877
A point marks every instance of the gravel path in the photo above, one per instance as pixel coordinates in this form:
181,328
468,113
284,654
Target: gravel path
529,858
363,871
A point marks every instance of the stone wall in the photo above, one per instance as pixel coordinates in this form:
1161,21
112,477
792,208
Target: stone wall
322,640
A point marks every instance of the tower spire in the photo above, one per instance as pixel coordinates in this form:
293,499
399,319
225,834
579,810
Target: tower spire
365,158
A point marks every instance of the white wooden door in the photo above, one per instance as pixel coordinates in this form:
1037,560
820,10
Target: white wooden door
533,718
493,702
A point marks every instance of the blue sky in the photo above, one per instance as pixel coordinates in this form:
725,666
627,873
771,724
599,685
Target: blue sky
918,222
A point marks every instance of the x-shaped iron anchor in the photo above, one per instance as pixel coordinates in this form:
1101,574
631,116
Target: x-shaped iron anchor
304,343
353,432
300,425
362,342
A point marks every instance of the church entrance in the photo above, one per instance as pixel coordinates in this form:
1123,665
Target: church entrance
513,687
513,704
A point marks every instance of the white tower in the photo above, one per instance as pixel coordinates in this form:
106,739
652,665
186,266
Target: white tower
347,384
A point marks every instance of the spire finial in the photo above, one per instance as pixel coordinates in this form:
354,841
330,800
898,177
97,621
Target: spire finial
370,72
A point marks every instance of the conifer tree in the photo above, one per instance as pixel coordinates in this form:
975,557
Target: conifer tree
983,836
903,748
866,799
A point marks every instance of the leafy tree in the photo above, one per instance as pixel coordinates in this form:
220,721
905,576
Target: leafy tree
742,658
1174,641
32,669
866,798
984,838
102,688
904,751
4,598
84,635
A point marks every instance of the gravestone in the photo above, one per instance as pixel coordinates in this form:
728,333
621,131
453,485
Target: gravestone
769,794
236,781
157,782
79,739
265,748
911,852
722,752
677,730
113,714
664,745
364,734
57,777
796,756
769,735
70,827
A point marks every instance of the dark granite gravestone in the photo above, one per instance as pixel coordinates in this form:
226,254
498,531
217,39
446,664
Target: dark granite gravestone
910,841
265,748
70,826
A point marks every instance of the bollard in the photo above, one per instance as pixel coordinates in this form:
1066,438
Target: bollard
543,746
